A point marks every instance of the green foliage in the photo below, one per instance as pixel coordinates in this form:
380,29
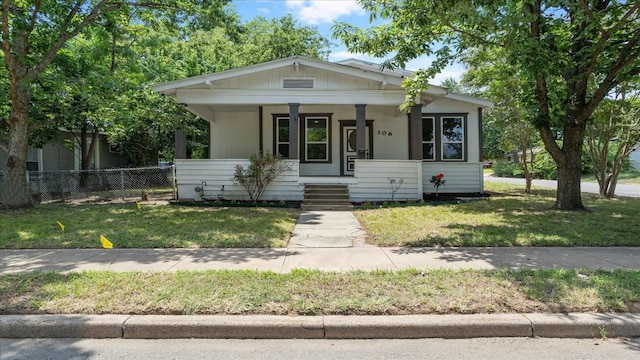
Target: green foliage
508,169
544,167
265,40
262,170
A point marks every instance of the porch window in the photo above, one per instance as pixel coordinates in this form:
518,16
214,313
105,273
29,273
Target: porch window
444,137
452,138
316,139
428,138
282,136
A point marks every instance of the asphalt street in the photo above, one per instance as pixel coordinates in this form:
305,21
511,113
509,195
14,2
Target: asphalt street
461,349
626,190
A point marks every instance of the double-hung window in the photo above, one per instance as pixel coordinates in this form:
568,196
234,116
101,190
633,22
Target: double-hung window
444,137
316,139
282,136
428,138
452,137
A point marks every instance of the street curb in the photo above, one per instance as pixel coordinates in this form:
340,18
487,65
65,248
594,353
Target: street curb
320,327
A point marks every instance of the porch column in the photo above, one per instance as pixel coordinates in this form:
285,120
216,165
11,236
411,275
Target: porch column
293,130
360,131
181,145
415,121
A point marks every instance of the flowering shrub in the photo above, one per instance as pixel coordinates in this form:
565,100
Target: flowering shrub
262,170
437,181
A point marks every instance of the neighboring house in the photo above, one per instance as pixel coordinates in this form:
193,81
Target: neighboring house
515,156
634,159
55,156
336,123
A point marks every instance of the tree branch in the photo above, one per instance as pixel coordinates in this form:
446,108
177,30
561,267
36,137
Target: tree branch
5,37
480,39
32,25
604,36
64,35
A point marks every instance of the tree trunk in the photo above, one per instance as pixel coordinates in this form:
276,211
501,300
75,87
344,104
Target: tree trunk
15,193
568,196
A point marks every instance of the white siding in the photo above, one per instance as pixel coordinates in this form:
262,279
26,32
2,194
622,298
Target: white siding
218,175
324,80
234,135
373,180
460,177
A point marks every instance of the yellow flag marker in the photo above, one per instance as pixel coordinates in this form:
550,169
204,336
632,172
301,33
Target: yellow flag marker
138,205
61,225
105,243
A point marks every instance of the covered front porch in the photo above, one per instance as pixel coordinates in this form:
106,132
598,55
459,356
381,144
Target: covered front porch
373,180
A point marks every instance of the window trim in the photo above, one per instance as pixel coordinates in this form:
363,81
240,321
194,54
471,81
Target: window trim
303,138
276,133
438,141
433,141
461,142
302,135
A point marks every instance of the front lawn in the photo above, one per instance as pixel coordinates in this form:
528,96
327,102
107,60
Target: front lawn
508,218
311,292
161,226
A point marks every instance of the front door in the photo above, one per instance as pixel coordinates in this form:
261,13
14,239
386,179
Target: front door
350,150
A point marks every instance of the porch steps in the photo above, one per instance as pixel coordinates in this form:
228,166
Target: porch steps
326,197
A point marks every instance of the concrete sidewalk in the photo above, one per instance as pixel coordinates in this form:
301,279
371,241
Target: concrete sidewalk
326,259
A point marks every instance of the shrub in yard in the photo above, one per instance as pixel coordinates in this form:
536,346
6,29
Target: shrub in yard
508,169
544,167
262,170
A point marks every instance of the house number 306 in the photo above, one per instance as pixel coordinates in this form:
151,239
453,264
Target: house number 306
384,133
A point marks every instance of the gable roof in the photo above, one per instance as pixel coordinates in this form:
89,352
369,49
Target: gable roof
349,67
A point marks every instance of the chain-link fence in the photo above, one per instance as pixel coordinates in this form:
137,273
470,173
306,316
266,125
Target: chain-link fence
100,185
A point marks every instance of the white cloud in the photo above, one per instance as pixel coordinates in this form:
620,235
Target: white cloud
264,10
323,11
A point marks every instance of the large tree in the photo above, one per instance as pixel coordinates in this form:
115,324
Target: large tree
511,117
33,32
613,134
561,47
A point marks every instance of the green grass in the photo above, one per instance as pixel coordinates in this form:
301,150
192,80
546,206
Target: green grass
507,218
309,292
150,227
630,177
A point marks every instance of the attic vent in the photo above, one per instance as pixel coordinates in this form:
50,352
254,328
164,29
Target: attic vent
297,83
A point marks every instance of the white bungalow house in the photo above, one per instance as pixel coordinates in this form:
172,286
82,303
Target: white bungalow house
336,123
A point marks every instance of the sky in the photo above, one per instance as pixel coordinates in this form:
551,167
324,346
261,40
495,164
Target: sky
321,14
